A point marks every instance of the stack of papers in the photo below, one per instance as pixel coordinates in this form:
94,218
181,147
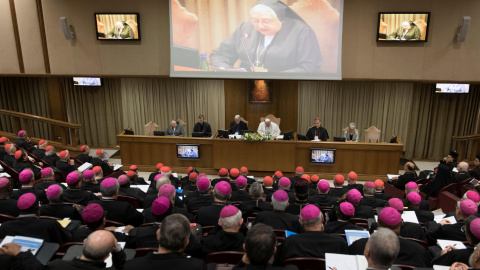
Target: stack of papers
234,136
85,166
27,243
143,188
443,244
410,216
5,175
345,262
391,176
117,166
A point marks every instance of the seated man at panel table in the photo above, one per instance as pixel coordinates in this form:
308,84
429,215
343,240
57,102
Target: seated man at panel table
237,126
174,129
276,39
268,128
317,132
203,126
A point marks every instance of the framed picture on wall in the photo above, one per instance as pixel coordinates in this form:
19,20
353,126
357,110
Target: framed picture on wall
260,91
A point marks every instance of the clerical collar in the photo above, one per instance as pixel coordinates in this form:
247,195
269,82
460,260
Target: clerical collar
219,203
107,198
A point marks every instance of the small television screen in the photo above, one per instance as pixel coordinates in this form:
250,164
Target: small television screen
188,151
117,26
222,133
403,26
452,88
87,81
288,135
321,156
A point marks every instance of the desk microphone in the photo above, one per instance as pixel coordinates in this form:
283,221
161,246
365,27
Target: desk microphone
247,35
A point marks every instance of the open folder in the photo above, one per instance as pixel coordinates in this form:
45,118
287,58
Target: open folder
345,262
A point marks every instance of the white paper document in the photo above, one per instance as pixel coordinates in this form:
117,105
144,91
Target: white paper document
438,217
345,262
443,244
85,166
143,188
27,243
410,216
391,176
109,261
117,166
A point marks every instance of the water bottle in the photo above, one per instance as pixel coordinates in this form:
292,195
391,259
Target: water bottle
203,62
369,140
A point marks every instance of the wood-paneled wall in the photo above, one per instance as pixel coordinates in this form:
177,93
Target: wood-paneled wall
284,104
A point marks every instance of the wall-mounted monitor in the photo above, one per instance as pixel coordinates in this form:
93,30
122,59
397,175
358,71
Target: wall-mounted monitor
403,26
292,39
322,156
117,26
458,88
188,151
87,81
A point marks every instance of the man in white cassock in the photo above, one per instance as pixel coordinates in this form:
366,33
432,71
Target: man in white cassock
268,128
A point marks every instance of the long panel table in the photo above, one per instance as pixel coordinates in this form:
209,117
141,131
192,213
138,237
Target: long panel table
368,160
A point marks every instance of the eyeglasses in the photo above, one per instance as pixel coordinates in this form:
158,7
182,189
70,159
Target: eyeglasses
264,21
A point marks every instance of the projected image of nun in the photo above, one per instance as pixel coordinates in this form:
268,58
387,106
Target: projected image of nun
276,39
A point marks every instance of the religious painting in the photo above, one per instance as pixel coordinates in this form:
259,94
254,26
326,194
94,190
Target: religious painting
260,91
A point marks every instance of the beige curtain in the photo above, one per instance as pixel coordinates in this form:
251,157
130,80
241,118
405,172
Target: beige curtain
423,120
162,100
98,109
27,95
435,118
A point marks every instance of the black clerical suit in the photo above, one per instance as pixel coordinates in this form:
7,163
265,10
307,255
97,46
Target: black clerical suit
45,184
296,207
338,192
105,167
322,200
23,260
205,128
243,266
84,158
268,192
168,261
237,128
404,179
94,188
458,255
118,260
310,244
60,211
193,203
132,192
22,165
216,180
65,167
31,226
475,172
147,213
122,212
78,196
361,211
51,160
279,220
339,227
448,232
424,216
9,207
254,206
358,187
372,201
39,153
320,132
220,240
408,230
209,215
461,176
240,195
24,144
382,196
40,194
9,160
151,178
424,204
3,153
411,253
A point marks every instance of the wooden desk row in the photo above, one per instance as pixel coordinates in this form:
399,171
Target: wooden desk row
369,160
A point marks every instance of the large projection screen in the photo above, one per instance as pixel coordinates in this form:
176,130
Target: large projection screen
256,39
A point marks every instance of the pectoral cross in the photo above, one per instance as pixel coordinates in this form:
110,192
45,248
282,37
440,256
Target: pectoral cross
257,62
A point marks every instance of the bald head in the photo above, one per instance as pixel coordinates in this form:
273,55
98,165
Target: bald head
98,245
409,166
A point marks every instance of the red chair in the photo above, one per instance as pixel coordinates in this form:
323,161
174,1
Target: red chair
64,247
141,252
4,218
305,263
224,257
434,202
393,191
131,200
447,201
